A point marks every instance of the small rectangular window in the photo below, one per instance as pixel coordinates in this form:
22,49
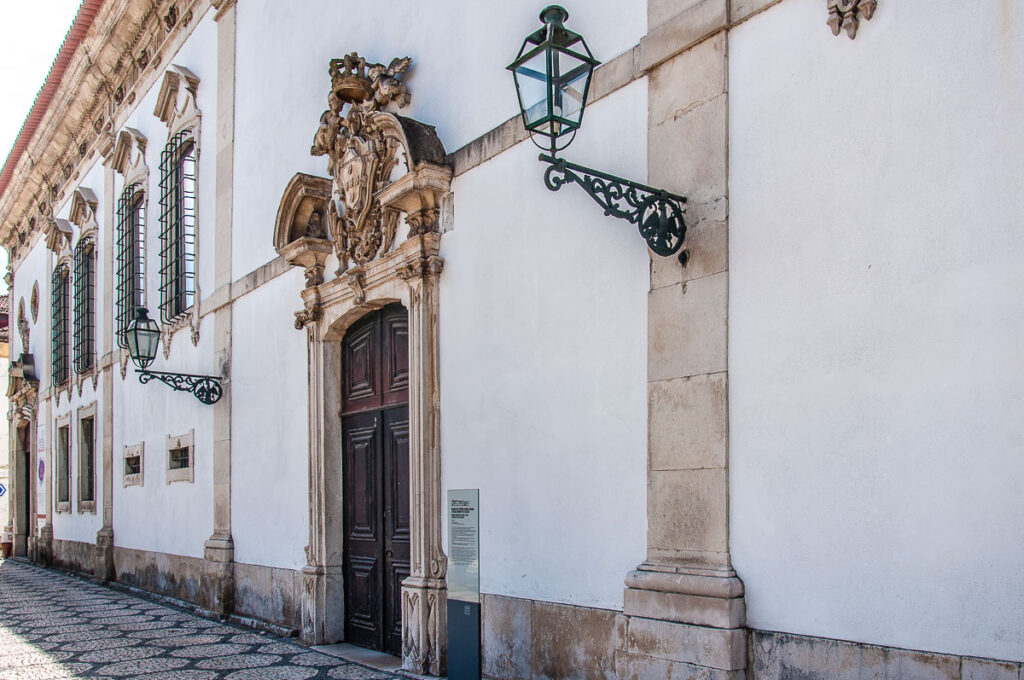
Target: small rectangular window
181,458
178,459
86,465
63,468
133,465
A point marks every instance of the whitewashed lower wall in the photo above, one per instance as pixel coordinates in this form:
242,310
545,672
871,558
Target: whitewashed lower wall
543,367
175,517
876,320
270,431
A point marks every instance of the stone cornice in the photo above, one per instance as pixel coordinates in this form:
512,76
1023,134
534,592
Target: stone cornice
122,52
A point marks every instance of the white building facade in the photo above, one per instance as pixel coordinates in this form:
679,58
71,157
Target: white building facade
794,454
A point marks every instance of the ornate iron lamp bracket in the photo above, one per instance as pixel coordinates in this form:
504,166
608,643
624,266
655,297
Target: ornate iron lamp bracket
206,388
657,213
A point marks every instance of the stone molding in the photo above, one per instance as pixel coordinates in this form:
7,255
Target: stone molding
116,60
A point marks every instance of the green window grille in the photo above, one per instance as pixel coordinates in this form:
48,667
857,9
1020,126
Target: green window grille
177,226
85,315
131,256
59,320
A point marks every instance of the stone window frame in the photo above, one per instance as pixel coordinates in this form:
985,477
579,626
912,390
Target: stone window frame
63,463
177,107
129,161
131,451
182,441
86,413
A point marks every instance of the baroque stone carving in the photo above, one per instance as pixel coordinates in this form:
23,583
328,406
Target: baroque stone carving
300,235
845,15
364,146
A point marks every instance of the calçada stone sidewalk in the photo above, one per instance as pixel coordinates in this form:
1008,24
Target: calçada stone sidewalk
57,626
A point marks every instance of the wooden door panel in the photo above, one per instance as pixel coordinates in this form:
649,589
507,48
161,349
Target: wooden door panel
377,504
396,472
360,383
362,467
396,356
362,607
363,516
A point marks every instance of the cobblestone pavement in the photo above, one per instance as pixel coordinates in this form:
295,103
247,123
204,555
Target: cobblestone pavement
57,626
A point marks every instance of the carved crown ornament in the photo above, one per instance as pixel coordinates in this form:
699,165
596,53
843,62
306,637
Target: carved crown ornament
845,15
381,165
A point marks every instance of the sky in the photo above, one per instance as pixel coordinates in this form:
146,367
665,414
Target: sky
31,33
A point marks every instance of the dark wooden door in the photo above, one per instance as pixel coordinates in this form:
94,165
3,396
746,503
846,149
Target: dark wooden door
375,445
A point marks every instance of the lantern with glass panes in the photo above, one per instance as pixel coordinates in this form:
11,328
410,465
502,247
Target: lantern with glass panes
552,75
142,337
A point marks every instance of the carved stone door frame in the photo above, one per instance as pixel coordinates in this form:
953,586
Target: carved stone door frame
408,275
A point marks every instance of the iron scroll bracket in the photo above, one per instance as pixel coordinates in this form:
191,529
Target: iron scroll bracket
657,213
206,388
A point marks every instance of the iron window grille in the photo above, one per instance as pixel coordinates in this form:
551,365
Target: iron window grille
59,334
85,313
177,226
131,256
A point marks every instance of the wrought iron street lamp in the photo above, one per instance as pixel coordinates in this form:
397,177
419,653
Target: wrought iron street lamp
552,75
142,336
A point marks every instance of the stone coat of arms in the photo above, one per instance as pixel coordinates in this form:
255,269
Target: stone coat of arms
362,147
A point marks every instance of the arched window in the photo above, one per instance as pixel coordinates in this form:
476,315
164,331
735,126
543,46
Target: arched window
85,306
131,256
177,226
59,328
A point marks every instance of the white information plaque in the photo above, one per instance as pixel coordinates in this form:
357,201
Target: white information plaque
464,545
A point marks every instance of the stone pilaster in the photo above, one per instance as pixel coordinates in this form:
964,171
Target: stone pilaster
424,592
103,565
219,550
684,603
323,595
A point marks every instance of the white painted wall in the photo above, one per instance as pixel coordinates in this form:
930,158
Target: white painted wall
876,321
270,431
458,83
174,518
543,367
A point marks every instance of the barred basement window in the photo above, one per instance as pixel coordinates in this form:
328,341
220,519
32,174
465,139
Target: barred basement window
85,287
131,253
59,318
177,226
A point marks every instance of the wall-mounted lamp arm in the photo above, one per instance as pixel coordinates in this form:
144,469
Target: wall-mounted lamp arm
206,388
657,213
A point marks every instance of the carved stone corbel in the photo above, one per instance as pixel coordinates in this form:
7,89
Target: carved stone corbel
354,278
845,15
312,310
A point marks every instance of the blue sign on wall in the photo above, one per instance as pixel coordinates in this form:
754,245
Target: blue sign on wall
3,489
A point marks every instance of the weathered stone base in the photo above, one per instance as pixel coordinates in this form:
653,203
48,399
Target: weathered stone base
783,656
73,555
268,594
264,594
525,639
